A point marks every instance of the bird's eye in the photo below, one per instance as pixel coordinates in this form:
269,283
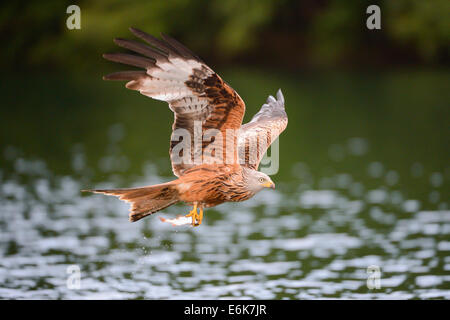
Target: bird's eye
261,180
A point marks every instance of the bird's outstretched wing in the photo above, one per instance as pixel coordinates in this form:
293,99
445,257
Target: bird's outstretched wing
257,135
199,98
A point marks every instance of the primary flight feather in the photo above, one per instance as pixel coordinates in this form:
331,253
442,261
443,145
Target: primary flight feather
214,157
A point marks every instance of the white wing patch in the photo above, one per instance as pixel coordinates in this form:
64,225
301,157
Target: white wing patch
166,81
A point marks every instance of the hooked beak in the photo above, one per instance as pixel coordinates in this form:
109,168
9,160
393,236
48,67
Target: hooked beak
269,185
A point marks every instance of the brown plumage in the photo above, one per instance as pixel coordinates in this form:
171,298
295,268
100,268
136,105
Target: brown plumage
214,157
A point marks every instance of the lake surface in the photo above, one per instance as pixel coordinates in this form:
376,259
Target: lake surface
361,209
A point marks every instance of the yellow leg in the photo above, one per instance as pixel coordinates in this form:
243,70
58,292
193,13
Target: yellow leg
200,217
193,213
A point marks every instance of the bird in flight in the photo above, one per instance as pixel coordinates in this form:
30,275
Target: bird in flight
214,156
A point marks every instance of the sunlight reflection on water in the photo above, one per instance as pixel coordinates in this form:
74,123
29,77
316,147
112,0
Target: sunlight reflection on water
317,242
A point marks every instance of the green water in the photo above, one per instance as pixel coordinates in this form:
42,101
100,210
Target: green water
364,181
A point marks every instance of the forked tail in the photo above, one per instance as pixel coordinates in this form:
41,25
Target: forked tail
145,200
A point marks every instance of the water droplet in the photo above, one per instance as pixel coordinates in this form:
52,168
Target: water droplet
391,177
358,146
411,205
375,169
434,196
436,179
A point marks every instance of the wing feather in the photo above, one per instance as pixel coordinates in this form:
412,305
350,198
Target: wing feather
256,136
130,59
199,98
125,75
141,48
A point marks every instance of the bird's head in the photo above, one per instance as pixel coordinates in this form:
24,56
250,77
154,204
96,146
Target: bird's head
258,180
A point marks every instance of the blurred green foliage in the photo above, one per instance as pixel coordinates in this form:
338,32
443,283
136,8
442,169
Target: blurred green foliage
423,24
283,32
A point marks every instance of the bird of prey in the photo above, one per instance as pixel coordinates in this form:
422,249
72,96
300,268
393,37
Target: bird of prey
214,157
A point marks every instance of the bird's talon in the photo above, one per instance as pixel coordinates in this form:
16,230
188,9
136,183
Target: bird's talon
196,218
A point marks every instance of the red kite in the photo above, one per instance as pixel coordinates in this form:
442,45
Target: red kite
221,167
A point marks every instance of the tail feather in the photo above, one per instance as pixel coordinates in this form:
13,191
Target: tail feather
145,200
